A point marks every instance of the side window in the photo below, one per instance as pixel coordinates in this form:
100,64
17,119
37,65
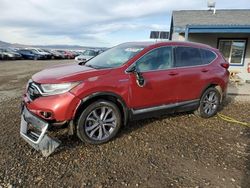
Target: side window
157,59
207,56
187,56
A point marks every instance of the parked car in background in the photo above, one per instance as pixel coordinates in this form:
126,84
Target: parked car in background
57,54
79,52
54,54
67,54
75,53
9,54
130,81
1,55
31,54
87,54
47,55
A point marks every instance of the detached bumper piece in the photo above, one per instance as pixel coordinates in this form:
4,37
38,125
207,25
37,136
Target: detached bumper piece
33,130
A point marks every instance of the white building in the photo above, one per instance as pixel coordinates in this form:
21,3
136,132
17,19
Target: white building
227,30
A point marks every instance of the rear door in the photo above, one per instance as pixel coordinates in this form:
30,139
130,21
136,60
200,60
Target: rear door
160,81
194,72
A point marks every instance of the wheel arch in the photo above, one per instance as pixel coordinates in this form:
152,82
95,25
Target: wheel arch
216,86
109,96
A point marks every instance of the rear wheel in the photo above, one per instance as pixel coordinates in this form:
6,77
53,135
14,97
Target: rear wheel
99,122
209,103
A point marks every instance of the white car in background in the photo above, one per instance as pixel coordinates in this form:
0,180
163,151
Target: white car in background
86,55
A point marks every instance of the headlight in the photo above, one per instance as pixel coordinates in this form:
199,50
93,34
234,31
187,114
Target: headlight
54,89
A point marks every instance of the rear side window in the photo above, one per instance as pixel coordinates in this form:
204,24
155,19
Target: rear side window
187,56
207,56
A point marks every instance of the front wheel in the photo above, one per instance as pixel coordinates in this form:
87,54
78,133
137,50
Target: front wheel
209,103
99,122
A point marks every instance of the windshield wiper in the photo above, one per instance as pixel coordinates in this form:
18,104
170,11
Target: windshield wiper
84,62
91,66
96,67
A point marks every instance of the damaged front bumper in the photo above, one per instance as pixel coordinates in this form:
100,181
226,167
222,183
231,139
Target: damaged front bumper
33,130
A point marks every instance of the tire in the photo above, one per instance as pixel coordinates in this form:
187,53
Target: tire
5,57
209,103
99,122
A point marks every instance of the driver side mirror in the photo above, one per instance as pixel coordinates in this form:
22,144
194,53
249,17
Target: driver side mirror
139,77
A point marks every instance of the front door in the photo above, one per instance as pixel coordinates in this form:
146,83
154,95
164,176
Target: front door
161,82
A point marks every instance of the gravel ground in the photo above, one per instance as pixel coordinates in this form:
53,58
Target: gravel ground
179,150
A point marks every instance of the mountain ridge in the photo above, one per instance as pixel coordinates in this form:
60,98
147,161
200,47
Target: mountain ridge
55,46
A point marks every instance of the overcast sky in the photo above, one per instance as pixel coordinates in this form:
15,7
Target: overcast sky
92,22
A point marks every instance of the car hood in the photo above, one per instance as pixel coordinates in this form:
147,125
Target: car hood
85,56
67,73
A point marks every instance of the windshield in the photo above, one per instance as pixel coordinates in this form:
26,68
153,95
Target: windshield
34,51
89,53
10,50
115,57
7,50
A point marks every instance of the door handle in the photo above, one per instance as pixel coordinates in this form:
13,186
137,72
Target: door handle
172,73
204,70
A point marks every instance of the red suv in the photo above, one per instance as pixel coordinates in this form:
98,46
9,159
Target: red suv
127,82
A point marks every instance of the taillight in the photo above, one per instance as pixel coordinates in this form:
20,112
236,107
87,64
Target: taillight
248,68
225,65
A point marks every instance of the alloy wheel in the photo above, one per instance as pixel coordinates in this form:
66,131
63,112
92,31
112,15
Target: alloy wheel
210,102
100,123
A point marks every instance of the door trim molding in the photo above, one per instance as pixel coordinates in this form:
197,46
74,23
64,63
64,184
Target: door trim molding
163,107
